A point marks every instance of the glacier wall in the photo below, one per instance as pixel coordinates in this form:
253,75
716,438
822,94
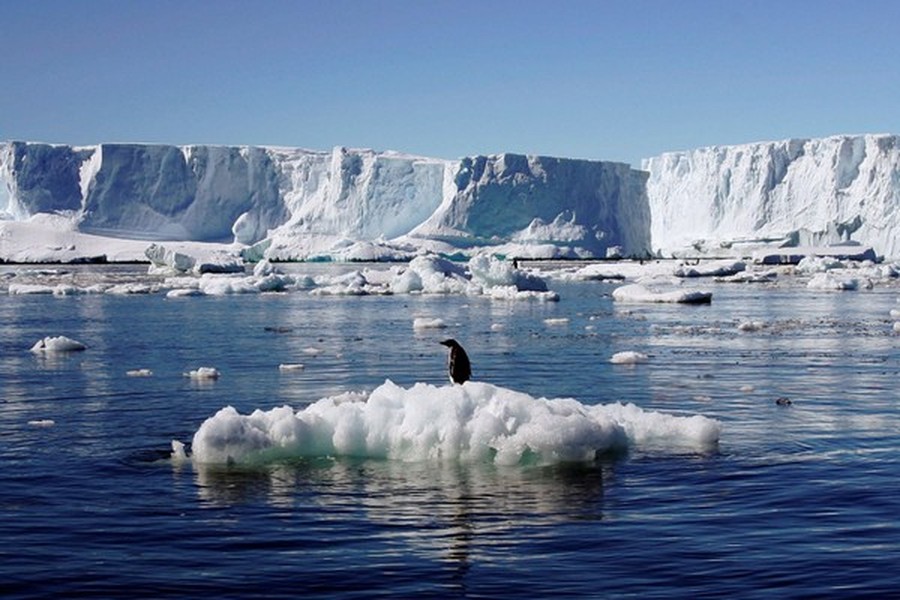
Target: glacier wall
295,204
802,191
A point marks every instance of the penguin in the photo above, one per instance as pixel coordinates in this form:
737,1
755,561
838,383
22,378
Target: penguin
459,367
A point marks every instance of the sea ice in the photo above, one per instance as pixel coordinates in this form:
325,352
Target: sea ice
428,323
471,422
628,357
59,343
203,373
829,281
638,293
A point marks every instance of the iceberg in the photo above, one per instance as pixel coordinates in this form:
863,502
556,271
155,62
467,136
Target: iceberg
796,192
775,201
346,204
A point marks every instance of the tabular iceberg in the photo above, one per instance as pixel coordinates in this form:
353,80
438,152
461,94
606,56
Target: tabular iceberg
798,192
290,203
350,204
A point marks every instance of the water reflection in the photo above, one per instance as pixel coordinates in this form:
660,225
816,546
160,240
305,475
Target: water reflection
442,511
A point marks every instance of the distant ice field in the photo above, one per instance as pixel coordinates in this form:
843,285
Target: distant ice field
795,496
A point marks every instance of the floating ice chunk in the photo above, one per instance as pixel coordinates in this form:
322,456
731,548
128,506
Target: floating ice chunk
265,267
126,289
897,327
475,422
178,453
139,373
749,326
57,344
42,423
556,321
184,293
164,260
312,351
818,264
203,373
895,314
290,367
638,293
428,323
489,271
715,268
509,292
29,289
628,357
830,281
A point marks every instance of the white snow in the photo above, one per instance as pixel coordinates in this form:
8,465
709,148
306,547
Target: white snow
474,422
53,344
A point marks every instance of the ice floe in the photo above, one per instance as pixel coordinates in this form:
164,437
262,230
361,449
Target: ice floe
476,422
60,343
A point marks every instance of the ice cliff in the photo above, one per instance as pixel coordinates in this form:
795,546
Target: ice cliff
289,203
799,191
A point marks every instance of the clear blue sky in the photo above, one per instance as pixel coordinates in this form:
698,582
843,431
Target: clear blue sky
594,79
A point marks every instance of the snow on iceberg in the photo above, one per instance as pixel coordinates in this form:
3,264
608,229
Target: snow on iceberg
474,422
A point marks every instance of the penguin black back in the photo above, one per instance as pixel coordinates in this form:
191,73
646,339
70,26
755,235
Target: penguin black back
459,367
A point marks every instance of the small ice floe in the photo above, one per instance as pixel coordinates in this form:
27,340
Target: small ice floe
638,293
556,321
746,388
129,289
178,453
312,351
830,281
897,327
42,423
748,277
497,326
290,367
716,268
139,373
628,357
429,323
895,314
29,289
184,292
57,344
749,326
203,373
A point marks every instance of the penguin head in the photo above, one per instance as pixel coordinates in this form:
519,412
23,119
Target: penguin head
451,343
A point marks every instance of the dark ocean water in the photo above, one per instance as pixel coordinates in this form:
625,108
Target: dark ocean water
797,501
